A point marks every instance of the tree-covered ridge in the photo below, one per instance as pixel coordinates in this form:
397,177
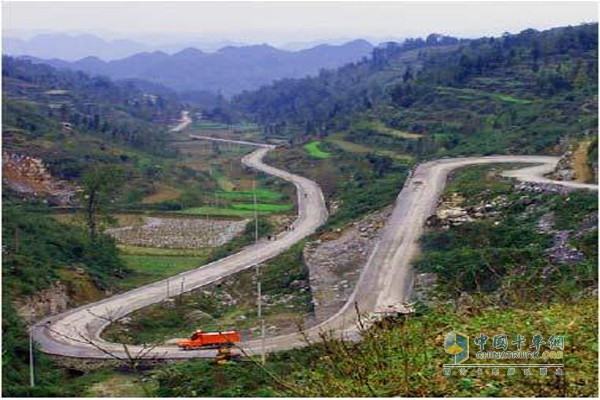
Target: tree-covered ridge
318,104
514,93
39,99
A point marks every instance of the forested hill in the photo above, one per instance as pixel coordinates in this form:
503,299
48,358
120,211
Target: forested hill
516,93
43,103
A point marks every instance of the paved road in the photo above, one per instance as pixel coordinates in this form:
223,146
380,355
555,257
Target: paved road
385,282
69,333
214,139
185,121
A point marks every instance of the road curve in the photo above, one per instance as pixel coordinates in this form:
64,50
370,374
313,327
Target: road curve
70,333
385,282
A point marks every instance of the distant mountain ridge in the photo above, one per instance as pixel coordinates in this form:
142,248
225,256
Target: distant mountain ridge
71,47
228,71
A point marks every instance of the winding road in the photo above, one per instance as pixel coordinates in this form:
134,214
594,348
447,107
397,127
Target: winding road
384,284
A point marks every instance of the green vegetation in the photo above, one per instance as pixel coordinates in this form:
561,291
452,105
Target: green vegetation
519,93
404,357
363,195
37,251
150,268
261,195
220,212
240,210
208,125
313,149
15,361
262,207
37,246
377,127
507,250
117,112
354,183
230,304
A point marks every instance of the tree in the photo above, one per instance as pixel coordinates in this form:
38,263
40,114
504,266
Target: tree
99,184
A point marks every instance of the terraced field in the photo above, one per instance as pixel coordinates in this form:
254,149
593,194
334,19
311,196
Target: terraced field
315,151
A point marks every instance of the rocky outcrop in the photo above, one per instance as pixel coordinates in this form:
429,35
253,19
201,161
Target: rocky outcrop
28,176
563,170
562,252
575,165
450,211
51,301
336,259
541,187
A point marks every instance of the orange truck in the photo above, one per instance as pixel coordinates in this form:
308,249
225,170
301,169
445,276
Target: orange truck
201,339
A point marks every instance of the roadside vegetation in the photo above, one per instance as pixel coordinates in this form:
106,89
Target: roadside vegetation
229,304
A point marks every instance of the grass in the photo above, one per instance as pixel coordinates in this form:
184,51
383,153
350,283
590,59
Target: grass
156,251
262,207
117,384
151,268
313,149
224,182
237,210
164,193
405,357
208,125
348,146
379,127
217,212
261,195
472,182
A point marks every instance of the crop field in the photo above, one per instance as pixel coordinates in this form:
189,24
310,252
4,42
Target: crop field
163,193
200,125
261,195
262,207
340,141
468,94
380,128
313,149
160,251
152,268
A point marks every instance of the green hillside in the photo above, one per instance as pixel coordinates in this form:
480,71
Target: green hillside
518,93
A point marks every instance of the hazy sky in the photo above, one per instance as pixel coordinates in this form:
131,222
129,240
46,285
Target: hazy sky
277,22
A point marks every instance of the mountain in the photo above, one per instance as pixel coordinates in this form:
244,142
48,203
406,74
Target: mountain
228,71
530,92
43,103
71,47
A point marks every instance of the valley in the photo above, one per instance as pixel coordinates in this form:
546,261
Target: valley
341,220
